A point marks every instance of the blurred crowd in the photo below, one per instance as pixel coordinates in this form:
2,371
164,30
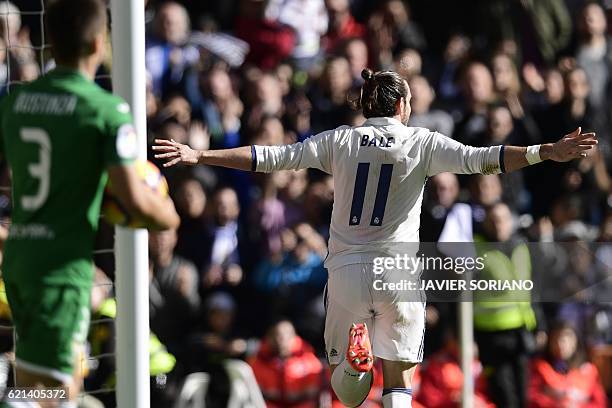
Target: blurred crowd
243,276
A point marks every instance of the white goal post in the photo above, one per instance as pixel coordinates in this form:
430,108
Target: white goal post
131,246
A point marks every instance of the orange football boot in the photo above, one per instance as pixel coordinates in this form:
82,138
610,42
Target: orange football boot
359,352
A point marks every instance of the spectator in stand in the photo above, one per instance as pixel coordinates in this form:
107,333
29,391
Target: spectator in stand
422,115
173,299
270,42
270,132
356,52
342,25
453,58
562,377
594,52
297,115
508,83
287,370
478,93
501,130
407,32
269,213
217,104
442,378
191,200
224,239
266,99
177,109
380,36
216,340
565,210
545,90
292,195
589,178
308,18
167,54
578,110
285,72
329,99
485,191
279,207
500,127
442,193
391,29
408,63
554,86
295,275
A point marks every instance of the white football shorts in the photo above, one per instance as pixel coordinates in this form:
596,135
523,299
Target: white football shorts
396,328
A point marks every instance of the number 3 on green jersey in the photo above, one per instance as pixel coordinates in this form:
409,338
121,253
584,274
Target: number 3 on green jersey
39,170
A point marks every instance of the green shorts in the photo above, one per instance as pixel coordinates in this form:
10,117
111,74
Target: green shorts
51,324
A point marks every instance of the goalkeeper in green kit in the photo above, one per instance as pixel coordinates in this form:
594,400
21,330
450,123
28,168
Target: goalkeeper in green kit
63,137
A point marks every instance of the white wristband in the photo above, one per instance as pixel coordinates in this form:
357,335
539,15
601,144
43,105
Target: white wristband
533,154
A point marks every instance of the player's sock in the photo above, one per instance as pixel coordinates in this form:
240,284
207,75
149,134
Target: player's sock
397,398
351,386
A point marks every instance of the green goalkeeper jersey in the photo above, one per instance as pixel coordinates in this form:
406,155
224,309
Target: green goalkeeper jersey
59,134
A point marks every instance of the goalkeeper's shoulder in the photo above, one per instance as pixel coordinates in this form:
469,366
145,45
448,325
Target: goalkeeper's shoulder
112,107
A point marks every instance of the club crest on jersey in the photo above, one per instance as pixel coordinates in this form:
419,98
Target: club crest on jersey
127,142
381,141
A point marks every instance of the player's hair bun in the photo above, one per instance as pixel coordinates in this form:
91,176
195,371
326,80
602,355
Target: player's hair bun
367,74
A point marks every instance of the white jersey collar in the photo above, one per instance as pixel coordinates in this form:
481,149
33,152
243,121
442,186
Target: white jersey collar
381,121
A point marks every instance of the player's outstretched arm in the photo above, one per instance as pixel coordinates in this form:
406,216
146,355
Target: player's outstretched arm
449,155
569,147
240,158
141,202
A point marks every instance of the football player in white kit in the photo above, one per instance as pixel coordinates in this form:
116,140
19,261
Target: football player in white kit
379,171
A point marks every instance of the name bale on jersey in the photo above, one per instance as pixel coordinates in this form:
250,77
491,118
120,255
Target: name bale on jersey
381,141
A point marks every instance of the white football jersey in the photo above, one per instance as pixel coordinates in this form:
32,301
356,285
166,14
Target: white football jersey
379,172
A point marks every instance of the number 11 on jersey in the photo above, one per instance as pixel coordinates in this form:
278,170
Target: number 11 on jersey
382,192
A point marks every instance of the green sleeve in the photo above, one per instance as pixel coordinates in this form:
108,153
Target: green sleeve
120,138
